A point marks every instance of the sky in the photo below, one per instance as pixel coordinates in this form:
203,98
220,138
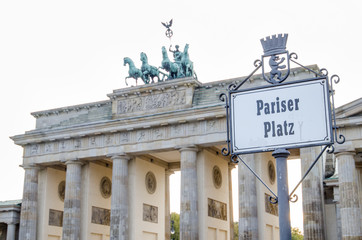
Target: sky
61,53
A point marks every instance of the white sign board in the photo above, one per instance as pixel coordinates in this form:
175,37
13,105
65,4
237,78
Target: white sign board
281,116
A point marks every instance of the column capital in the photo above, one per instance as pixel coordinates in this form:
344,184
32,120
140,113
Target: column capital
30,166
345,148
74,161
344,152
231,165
11,223
188,148
119,156
169,172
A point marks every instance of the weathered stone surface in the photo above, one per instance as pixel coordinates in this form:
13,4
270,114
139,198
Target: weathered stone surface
217,209
248,214
189,223
29,206
101,216
72,207
312,194
348,196
120,205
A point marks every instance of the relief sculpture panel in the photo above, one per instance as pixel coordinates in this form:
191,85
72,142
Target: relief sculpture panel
217,209
151,102
150,213
101,216
269,207
55,218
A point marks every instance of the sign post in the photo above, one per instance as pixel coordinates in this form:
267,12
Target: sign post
283,116
281,156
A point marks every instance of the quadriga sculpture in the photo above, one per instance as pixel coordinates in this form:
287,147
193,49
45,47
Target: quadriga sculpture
150,72
133,72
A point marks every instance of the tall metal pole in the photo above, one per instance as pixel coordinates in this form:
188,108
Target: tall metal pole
281,156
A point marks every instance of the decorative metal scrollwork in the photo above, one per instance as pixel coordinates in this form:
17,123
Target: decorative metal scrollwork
279,59
293,198
257,63
330,149
323,72
273,200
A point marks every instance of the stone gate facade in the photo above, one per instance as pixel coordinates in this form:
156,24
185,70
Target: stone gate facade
101,170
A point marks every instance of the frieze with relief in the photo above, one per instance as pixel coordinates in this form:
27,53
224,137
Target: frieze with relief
127,137
151,102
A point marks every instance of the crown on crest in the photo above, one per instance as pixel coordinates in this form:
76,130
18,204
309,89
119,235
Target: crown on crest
275,44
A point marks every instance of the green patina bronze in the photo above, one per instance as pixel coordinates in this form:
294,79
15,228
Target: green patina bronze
133,72
150,72
181,67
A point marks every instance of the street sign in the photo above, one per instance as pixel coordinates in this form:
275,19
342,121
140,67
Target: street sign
289,115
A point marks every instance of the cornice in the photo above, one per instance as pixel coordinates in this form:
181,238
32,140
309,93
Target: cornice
123,124
65,110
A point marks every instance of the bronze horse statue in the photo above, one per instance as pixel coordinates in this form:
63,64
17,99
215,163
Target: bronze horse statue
148,71
133,72
186,64
173,68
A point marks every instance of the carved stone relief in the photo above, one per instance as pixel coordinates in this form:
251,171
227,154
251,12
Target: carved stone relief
151,102
61,190
101,216
150,182
77,143
55,218
150,213
217,177
106,187
269,207
34,149
108,139
93,141
126,137
271,172
49,147
217,209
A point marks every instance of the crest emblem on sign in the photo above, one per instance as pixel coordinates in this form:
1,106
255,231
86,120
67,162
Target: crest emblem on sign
277,57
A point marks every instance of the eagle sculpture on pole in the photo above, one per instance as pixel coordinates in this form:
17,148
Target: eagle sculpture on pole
167,25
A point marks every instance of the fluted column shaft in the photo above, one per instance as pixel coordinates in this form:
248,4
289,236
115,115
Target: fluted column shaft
189,221
29,206
312,195
167,205
72,200
231,209
348,196
248,214
120,204
10,235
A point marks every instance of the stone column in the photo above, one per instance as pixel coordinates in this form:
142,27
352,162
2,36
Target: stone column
167,207
312,194
348,196
72,200
11,231
119,200
189,220
29,206
248,214
231,209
